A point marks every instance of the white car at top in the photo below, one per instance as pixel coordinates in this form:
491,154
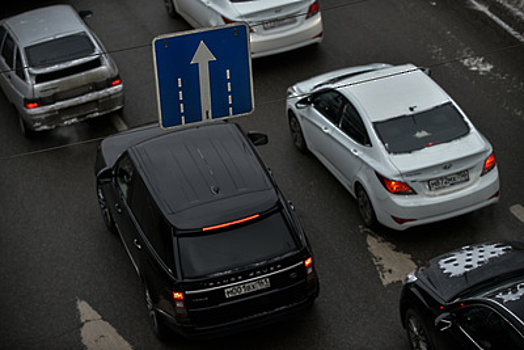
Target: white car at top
275,25
396,141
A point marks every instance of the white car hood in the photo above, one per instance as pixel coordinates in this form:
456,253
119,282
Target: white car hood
461,154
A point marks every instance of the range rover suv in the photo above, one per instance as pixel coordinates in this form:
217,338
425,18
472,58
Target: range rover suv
210,234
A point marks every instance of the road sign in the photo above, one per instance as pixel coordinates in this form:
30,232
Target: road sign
203,75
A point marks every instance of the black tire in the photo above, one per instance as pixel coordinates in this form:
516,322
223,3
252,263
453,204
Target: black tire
159,327
106,214
419,336
365,207
296,134
170,8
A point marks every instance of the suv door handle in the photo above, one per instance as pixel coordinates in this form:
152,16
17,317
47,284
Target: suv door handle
118,209
137,244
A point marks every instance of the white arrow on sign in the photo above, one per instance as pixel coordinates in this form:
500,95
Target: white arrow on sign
202,57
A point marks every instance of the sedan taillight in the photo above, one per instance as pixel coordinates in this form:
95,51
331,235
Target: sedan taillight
489,164
313,10
394,186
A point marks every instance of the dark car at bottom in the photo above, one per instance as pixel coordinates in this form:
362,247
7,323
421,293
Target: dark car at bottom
470,298
215,243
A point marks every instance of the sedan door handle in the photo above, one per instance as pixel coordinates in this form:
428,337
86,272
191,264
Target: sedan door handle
354,151
325,129
118,209
137,244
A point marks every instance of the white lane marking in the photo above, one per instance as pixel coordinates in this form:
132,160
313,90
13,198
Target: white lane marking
392,266
518,211
118,122
482,8
98,334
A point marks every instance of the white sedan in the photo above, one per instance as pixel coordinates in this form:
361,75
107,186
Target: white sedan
396,141
276,25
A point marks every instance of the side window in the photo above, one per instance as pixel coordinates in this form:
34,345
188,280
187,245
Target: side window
124,176
489,329
157,231
2,35
8,51
19,67
329,103
352,125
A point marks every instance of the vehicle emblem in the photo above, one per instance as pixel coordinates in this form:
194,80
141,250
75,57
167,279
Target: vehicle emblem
447,166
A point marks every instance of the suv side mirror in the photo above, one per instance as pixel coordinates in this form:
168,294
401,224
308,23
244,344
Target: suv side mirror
104,176
444,321
258,138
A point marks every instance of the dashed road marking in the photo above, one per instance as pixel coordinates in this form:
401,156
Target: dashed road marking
518,211
392,265
98,334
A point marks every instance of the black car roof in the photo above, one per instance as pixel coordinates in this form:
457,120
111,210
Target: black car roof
204,175
467,268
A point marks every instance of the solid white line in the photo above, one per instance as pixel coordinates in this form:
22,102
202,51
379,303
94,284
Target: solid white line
98,334
504,25
518,211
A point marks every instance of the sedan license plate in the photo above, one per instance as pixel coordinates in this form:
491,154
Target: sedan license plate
448,181
281,22
245,288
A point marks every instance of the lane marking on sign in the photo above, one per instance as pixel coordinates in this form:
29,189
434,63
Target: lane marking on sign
96,333
518,211
392,265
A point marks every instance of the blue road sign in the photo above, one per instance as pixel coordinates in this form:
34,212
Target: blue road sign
203,75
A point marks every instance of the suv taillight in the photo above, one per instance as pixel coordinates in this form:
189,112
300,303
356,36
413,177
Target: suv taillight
310,275
180,304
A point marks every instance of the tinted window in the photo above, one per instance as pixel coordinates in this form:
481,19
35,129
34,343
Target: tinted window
412,132
330,104
351,124
124,176
8,51
2,35
242,245
489,329
59,50
19,67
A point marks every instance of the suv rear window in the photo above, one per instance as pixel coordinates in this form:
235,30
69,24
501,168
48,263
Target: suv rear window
240,246
413,132
59,50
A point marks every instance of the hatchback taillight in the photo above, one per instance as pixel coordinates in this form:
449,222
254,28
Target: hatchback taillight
30,104
115,81
489,164
180,304
313,10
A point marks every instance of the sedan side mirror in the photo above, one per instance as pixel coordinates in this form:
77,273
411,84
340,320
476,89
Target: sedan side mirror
444,321
105,176
303,103
258,138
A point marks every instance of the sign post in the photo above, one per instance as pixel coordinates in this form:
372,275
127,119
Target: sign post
203,75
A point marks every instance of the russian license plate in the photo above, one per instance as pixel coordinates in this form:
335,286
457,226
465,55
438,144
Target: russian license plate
279,23
245,288
448,181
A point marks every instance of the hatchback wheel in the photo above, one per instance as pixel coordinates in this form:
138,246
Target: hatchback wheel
365,207
159,327
296,134
417,332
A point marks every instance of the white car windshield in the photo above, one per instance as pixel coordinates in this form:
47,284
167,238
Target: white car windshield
412,132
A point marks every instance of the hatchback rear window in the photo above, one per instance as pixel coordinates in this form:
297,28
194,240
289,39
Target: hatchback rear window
59,50
416,131
240,246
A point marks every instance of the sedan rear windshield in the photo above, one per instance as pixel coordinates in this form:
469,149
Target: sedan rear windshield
239,246
59,50
416,131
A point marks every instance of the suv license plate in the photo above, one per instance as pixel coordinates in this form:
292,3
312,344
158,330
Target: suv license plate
245,288
448,181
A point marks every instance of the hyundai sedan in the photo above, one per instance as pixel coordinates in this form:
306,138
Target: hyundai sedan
396,141
276,26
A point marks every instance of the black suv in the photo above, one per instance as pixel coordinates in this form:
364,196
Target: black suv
213,239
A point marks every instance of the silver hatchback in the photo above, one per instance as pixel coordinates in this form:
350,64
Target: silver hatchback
54,70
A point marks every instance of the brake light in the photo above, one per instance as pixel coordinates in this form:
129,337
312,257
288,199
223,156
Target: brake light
394,186
489,164
115,82
231,223
180,305
308,264
31,104
313,10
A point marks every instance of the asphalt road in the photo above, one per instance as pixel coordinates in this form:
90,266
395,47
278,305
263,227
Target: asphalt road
58,262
